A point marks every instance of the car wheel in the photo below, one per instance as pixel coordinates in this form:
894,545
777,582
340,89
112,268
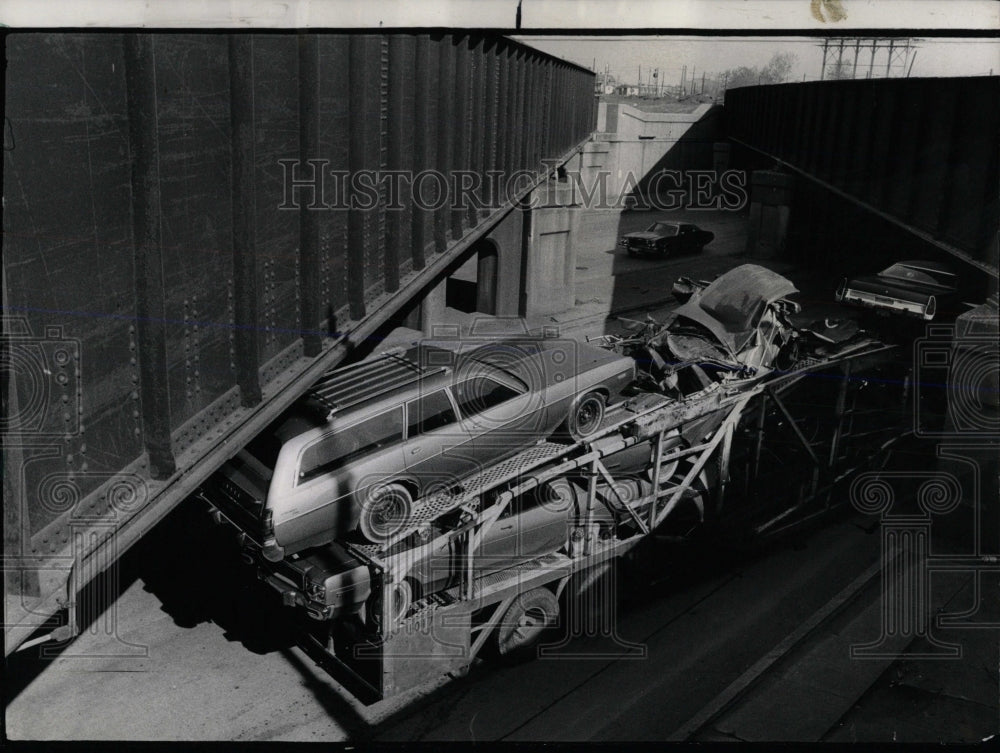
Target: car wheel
524,623
401,595
385,512
694,507
586,415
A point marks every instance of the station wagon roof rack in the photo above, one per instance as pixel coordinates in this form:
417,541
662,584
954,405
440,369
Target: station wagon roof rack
343,387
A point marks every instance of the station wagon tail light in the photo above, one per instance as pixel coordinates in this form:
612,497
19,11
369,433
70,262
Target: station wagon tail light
271,550
841,289
316,590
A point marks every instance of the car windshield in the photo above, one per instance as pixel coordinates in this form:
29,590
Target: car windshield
662,228
912,274
500,360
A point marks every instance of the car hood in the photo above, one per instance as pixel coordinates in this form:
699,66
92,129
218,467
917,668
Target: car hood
643,235
732,305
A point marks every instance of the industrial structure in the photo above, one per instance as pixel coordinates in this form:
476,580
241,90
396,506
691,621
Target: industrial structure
170,280
868,57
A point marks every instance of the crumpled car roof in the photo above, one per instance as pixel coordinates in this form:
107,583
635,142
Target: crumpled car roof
732,305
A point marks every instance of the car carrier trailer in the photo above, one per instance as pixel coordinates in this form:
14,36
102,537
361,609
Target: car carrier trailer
395,644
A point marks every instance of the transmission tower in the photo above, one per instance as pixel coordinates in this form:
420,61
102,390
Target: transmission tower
868,57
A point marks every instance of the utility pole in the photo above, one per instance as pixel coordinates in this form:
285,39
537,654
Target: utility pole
703,82
871,65
684,73
692,80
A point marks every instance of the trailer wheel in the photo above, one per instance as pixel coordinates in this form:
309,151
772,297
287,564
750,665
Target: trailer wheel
401,595
385,512
586,415
695,507
524,623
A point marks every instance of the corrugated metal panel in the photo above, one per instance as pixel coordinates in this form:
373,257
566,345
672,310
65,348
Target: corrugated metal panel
158,220
923,151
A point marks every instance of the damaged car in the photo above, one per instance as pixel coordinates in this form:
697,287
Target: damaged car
736,327
741,326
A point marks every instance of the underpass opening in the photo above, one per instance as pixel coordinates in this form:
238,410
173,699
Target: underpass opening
472,287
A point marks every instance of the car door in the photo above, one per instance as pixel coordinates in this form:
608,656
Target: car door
687,238
704,238
438,450
500,413
533,524
670,238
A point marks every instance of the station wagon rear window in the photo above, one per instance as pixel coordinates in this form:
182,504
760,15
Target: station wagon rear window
339,449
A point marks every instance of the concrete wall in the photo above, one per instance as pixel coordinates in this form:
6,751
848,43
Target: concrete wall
507,236
549,278
632,142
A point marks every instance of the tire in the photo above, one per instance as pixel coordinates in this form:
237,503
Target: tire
695,507
586,415
385,512
524,623
402,596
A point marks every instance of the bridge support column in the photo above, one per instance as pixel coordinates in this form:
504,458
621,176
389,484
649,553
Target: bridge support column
432,307
550,272
770,200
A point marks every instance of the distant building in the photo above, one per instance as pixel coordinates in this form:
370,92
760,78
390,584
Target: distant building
604,83
627,90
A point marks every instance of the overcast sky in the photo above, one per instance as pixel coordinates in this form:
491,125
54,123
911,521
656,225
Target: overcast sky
624,55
